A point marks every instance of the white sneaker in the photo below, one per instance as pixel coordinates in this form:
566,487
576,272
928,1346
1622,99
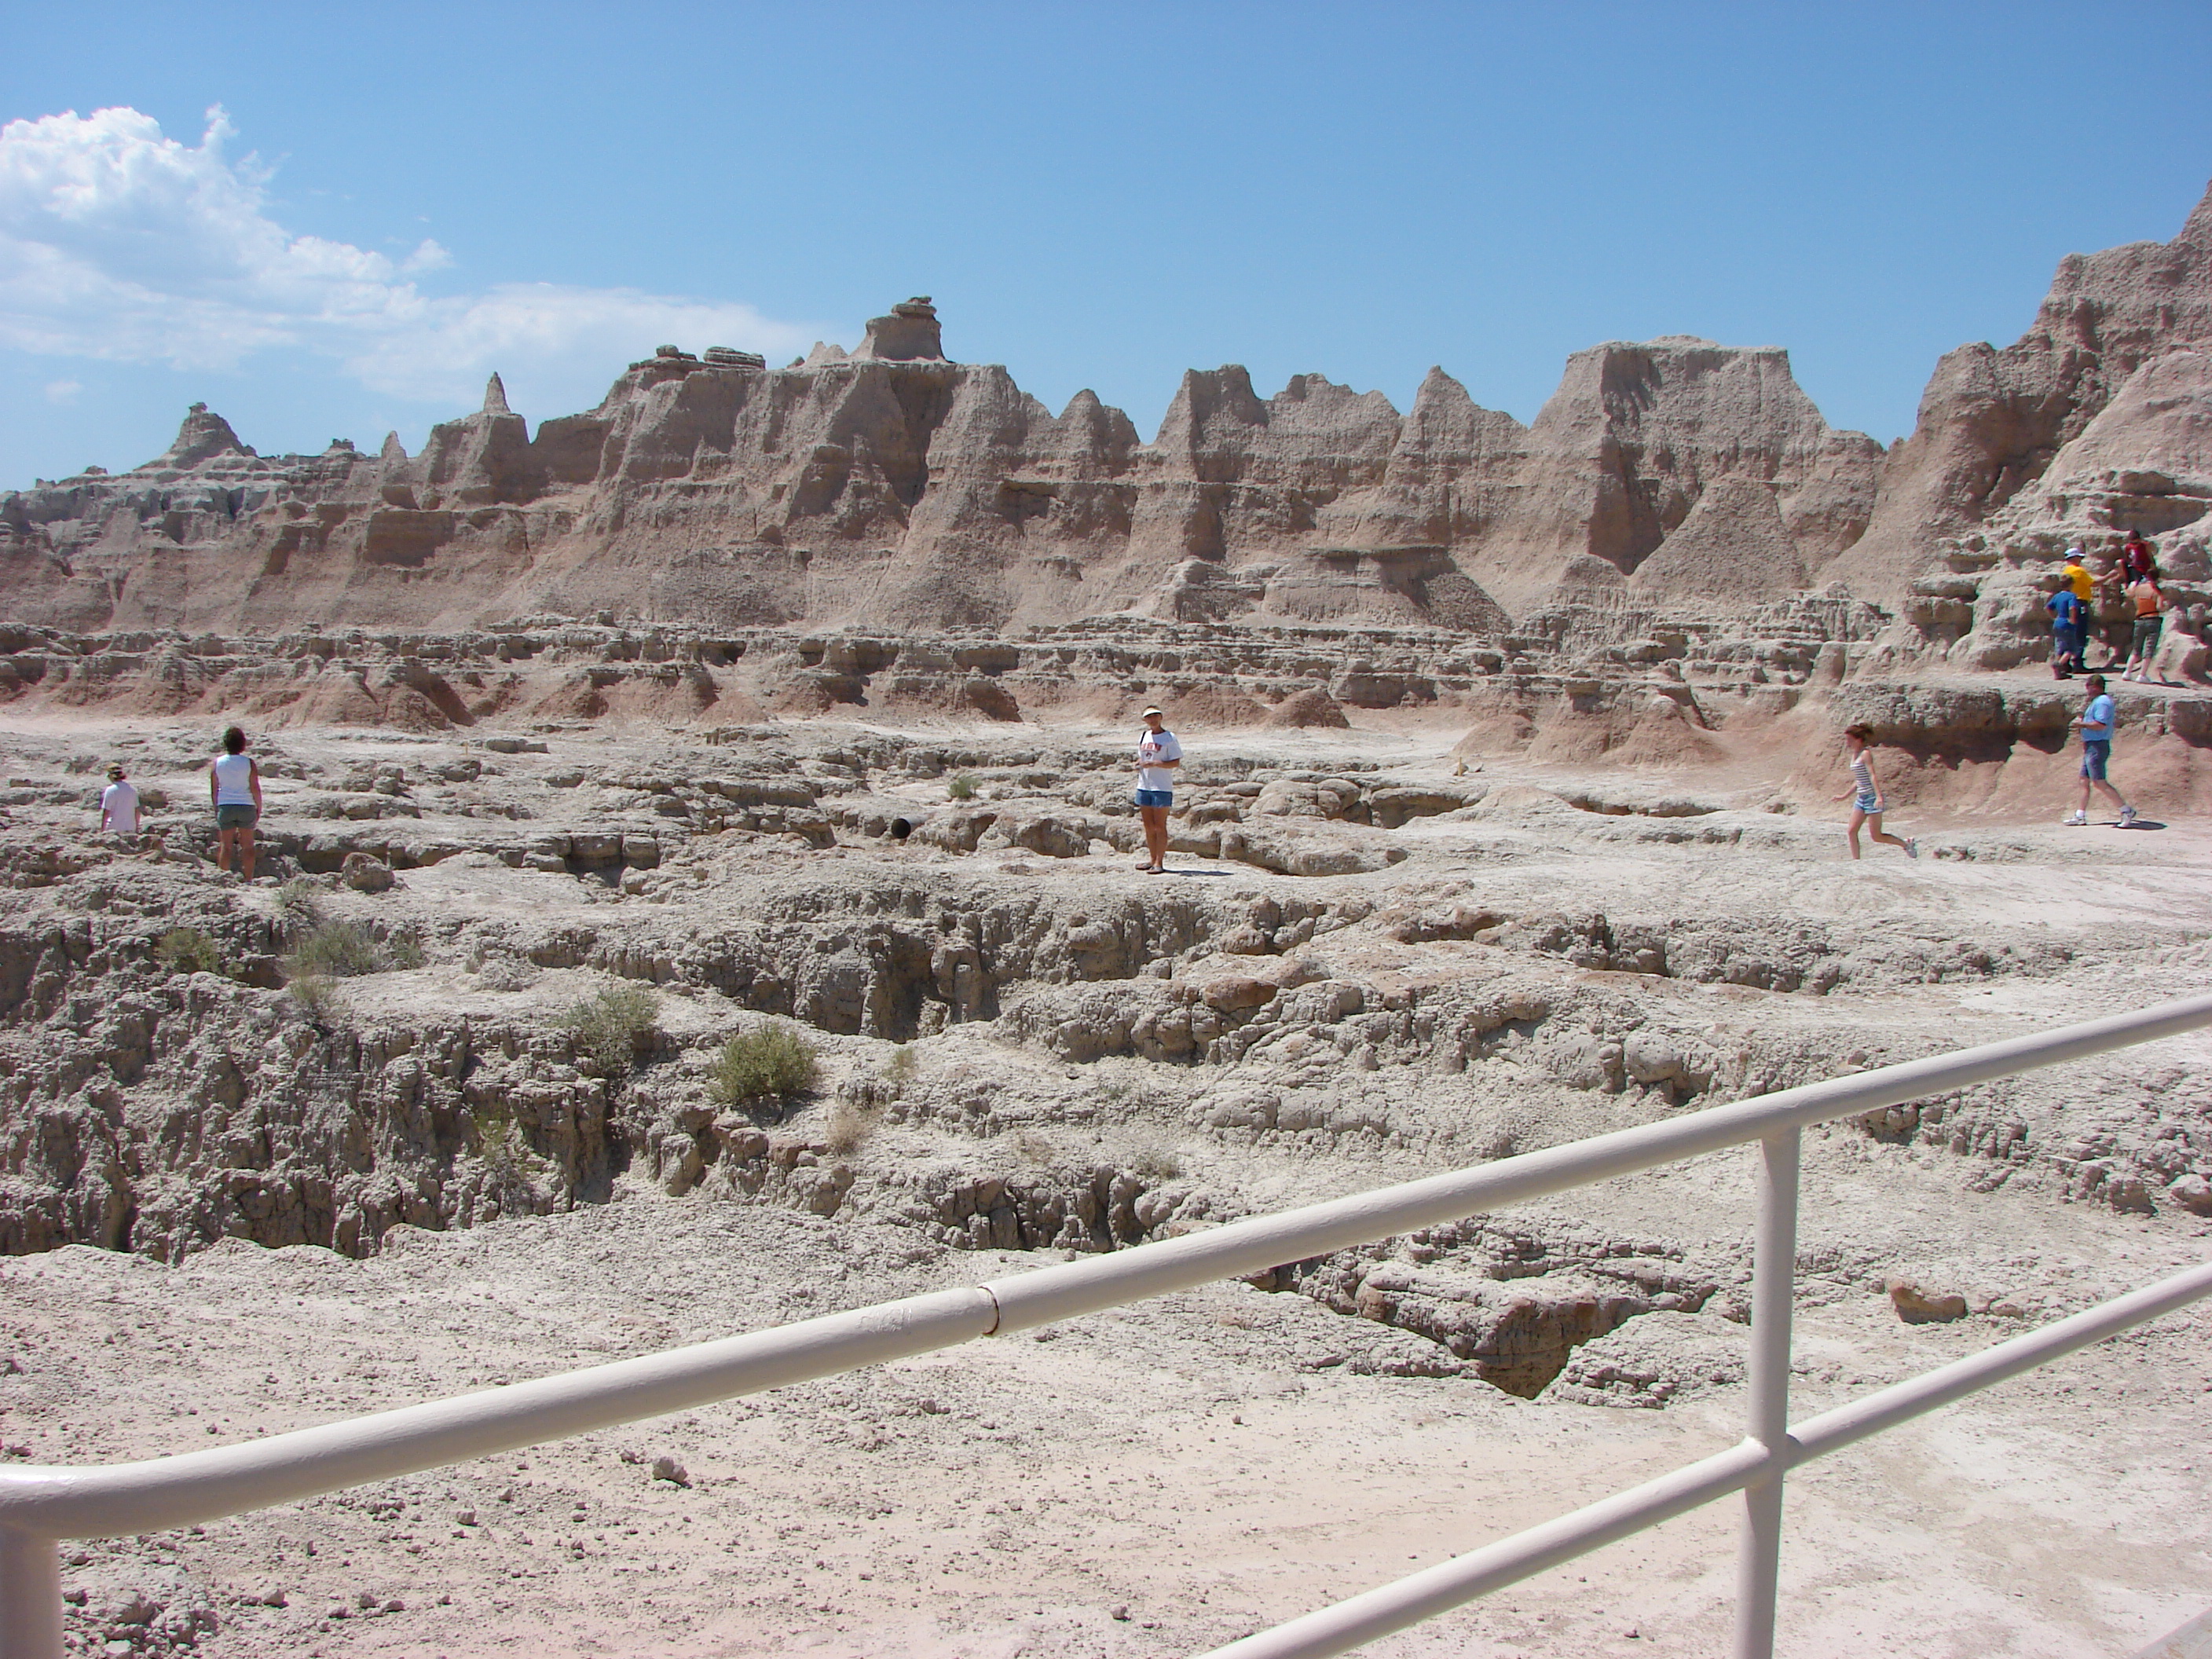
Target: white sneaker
1913,847
2127,817
2074,820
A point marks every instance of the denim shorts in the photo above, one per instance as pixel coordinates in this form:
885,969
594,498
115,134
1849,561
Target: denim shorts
1154,797
2095,753
1867,803
235,818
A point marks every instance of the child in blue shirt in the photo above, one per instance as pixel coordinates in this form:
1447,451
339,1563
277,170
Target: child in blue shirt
2096,722
2070,620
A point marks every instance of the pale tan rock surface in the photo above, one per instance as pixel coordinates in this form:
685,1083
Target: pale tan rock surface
805,698
428,1182
892,486
1991,421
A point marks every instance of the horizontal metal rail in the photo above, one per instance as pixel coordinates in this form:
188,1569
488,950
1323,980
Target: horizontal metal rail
40,1506
1364,1618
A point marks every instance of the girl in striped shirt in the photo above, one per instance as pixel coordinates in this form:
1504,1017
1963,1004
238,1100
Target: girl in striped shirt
1863,795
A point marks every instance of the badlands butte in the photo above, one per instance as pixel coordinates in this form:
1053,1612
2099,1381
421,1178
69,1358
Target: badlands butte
802,700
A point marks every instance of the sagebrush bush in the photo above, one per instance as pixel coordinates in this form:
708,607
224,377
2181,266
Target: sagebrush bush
316,995
611,1027
772,1063
849,1127
188,951
299,902
963,788
336,950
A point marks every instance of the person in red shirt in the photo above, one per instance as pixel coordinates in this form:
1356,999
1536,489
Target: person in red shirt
2138,559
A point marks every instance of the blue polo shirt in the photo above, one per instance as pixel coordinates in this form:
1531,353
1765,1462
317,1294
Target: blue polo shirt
2097,720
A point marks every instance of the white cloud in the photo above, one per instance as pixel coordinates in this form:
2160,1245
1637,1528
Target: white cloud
116,242
64,391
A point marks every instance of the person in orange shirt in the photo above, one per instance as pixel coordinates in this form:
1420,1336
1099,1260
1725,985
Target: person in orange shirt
2150,621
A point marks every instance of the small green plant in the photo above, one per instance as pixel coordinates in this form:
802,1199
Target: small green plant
299,902
901,1068
773,1063
963,786
611,1027
336,950
501,1145
404,951
188,951
320,997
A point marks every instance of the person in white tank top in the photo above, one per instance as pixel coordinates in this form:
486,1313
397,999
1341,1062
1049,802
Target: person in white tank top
1865,795
235,788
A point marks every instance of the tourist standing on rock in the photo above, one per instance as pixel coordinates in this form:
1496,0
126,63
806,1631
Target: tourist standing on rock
1864,795
1158,754
118,806
235,786
2150,620
2096,722
2138,558
2076,574
2113,617
2069,620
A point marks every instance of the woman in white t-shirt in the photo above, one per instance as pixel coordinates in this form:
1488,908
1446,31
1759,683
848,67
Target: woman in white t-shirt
1157,755
118,806
234,787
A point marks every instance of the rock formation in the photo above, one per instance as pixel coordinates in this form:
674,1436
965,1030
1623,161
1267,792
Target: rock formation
891,486
1992,420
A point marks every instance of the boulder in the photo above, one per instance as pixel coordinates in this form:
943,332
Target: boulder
1917,1306
367,874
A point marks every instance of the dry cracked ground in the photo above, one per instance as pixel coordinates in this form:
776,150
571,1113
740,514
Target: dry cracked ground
240,1197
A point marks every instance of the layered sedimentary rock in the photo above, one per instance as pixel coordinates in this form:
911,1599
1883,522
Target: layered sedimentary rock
1627,449
2144,463
892,487
1992,421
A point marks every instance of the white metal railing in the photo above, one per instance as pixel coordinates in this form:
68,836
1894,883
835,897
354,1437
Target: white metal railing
40,1505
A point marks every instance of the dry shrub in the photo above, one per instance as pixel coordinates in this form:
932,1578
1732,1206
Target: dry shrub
611,1027
773,1063
851,1124
299,902
188,951
315,994
337,950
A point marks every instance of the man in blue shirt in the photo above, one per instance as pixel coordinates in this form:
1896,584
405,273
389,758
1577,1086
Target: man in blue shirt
2096,722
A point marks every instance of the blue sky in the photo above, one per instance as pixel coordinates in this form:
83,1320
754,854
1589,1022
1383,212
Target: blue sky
395,200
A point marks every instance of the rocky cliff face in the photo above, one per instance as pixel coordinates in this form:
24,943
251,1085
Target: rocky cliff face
893,487
1991,421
